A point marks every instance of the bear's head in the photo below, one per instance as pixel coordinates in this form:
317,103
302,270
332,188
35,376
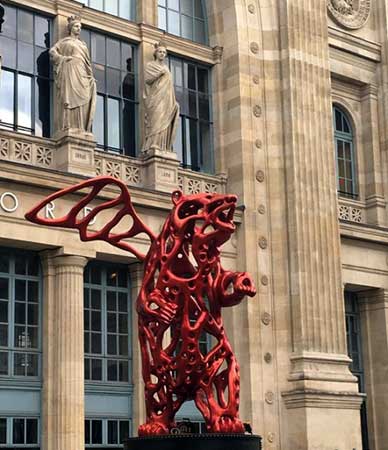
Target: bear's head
205,219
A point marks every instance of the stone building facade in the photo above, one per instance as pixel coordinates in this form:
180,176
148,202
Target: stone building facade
283,102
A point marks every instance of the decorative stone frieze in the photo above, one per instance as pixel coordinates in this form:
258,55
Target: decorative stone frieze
351,213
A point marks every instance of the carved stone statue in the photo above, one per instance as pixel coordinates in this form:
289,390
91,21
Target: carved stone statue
161,107
76,86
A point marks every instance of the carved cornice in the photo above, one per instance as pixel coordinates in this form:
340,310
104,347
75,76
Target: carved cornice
364,232
356,45
311,398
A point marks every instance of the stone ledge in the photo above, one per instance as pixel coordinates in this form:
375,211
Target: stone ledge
310,398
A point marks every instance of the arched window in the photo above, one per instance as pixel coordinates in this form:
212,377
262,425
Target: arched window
344,148
185,18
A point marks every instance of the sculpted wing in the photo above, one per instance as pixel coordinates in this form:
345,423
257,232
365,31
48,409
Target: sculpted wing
75,220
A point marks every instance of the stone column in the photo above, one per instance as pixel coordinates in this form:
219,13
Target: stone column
139,414
321,385
63,361
374,319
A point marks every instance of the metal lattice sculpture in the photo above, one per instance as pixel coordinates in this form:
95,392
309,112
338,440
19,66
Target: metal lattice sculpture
183,290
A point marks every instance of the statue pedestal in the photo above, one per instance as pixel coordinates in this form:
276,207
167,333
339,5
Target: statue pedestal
161,169
195,442
75,152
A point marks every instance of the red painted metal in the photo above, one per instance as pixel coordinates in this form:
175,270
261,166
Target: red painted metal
180,300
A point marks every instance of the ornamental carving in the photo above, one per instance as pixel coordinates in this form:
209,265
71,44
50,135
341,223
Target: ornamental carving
351,14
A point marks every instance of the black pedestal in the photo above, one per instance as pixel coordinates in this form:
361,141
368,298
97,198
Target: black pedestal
195,442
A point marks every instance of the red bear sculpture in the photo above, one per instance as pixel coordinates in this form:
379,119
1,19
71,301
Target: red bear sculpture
183,290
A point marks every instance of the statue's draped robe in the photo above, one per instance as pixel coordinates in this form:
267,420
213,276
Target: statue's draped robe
75,84
161,108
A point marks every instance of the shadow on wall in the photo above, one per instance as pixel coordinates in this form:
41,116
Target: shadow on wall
1,15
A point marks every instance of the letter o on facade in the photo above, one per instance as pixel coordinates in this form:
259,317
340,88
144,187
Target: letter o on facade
3,202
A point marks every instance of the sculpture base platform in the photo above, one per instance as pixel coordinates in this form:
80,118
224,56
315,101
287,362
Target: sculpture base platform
195,442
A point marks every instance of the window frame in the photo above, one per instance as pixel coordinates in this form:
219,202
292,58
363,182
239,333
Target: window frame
106,95
344,138
183,14
10,428
11,350
104,356
186,159
104,431
32,75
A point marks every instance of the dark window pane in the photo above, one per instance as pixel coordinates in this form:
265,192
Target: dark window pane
123,371
33,314
25,57
113,53
95,275
42,32
112,344
32,431
348,154
112,323
20,265
346,125
32,365
4,263
3,363
112,370
112,432
24,101
3,430
20,313
3,335
123,345
124,430
33,292
42,108
96,299
204,107
114,123
178,144
190,76
123,302
111,301
96,431
18,431
8,52
87,431
338,120
202,80
206,152
4,288
9,25
86,342
199,9
129,87
340,148
86,320
86,298
25,26
96,343
113,84
123,323
42,62
20,290
96,321
32,335
96,369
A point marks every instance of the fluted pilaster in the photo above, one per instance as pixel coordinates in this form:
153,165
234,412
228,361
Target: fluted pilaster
314,240
63,391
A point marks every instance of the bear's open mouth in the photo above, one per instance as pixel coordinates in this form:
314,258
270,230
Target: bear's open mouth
226,215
